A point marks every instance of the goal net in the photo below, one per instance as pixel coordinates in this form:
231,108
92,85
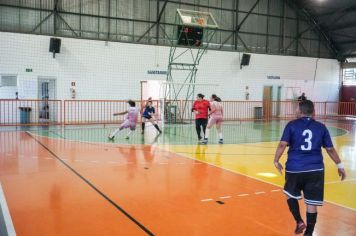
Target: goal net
176,100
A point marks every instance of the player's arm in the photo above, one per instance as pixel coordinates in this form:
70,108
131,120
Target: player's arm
194,108
335,157
120,113
279,152
212,110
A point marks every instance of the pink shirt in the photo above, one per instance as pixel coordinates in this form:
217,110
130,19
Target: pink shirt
132,114
216,109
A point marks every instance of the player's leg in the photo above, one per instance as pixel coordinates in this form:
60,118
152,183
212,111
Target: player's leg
204,124
219,131
211,122
313,197
154,123
114,133
131,130
197,128
143,125
293,191
312,214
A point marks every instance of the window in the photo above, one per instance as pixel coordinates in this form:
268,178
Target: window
349,76
8,81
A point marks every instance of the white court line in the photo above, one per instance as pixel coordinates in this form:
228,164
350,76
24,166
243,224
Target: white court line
180,163
225,197
79,160
275,190
5,216
257,193
248,176
163,163
243,195
49,158
64,159
94,161
207,200
113,162
339,181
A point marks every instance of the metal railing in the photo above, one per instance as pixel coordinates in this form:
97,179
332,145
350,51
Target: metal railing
80,112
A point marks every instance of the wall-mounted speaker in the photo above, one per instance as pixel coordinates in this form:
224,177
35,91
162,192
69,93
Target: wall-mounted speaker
245,61
55,45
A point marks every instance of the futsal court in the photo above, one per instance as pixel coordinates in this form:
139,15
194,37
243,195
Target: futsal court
167,118
72,181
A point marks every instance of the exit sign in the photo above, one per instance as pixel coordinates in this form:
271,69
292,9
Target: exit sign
28,69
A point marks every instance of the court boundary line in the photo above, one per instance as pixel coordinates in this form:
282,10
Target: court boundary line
5,216
251,177
141,226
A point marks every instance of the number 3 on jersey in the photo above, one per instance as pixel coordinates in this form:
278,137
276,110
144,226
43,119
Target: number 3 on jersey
308,144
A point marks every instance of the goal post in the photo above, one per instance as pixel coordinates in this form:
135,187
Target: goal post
176,100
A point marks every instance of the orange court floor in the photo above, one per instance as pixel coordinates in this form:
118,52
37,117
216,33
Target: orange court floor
65,184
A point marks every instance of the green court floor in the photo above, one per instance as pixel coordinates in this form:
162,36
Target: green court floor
234,133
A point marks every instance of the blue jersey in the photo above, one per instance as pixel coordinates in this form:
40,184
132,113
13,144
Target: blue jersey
305,137
148,111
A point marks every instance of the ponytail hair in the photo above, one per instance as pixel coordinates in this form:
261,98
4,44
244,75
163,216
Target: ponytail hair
215,98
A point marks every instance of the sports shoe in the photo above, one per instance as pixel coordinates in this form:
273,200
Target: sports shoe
111,138
127,137
221,141
300,228
204,141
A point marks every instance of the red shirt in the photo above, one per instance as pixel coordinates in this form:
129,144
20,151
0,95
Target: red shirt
202,107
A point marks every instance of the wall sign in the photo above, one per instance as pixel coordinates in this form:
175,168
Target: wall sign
157,72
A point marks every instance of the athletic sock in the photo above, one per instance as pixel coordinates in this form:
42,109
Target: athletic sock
156,126
294,209
311,221
207,133
220,135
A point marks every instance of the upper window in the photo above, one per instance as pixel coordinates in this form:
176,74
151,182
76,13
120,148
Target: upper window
349,76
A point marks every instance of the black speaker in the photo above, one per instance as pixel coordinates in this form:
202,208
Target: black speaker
55,45
245,61
190,36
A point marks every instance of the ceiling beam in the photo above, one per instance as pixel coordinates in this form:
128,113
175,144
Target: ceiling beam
343,26
314,25
346,11
350,55
346,42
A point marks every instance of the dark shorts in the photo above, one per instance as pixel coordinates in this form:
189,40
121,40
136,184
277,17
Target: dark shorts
310,183
147,117
201,122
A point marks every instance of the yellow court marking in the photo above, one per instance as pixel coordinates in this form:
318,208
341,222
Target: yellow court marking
256,160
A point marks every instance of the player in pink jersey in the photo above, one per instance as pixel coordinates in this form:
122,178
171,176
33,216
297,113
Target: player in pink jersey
216,118
130,121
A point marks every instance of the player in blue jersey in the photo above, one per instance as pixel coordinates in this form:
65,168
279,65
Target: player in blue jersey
305,166
148,114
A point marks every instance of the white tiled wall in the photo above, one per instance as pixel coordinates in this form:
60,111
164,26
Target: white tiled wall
113,70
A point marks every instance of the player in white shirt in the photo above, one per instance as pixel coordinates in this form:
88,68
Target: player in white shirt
130,121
